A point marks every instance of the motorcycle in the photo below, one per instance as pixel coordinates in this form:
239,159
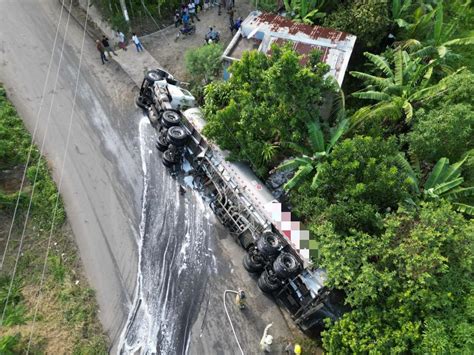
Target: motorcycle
186,31
212,37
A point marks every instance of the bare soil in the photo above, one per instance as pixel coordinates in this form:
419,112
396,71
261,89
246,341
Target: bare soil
170,52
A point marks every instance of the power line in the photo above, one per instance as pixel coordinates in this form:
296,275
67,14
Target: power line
60,182
32,139
37,169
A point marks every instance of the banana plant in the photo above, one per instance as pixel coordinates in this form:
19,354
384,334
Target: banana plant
401,85
444,181
438,42
308,164
305,11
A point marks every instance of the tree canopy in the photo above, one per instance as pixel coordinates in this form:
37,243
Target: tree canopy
385,185
410,287
289,96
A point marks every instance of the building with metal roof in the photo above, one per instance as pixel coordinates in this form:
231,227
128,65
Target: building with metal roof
260,30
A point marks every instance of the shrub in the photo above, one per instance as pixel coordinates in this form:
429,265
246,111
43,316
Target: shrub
368,20
445,132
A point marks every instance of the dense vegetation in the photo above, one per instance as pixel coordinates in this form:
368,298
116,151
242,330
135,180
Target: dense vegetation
145,15
66,320
260,134
385,184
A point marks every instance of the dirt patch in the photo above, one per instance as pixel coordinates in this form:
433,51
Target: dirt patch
10,179
170,52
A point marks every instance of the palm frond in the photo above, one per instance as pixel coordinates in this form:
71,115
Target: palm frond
464,208
380,62
466,41
300,175
428,93
296,148
337,133
316,136
444,187
315,182
461,193
399,67
408,109
409,44
428,51
438,23
455,169
381,110
372,79
371,95
433,178
405,165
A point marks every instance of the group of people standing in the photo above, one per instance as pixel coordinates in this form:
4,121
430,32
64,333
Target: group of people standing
188,12
104,46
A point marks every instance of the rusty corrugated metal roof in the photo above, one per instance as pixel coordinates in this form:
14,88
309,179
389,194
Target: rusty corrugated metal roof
336,46
282,24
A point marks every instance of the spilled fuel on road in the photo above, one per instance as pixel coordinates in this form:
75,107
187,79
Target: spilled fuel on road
175,259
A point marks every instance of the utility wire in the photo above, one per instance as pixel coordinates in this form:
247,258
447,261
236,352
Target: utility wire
37,169
32,140
60,182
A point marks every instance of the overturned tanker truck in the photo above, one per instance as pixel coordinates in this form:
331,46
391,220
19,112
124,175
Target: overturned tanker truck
241,203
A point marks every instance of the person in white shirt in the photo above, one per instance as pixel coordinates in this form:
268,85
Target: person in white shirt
137,42
192,11
121,40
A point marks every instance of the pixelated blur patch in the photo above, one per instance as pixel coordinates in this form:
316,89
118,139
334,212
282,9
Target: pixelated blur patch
291,229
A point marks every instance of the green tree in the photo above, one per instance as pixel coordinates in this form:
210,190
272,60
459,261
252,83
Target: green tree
444,132
368,20
410,288
267,100
357,184
403,84
204,63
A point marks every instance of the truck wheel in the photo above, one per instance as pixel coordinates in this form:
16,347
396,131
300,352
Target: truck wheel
162,143
177,135
267,283
153,75
143,102
268,244
169,159
246,240
170,118
252,263
285,265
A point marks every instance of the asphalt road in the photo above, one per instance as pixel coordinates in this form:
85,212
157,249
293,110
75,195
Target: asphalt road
157,259
102,180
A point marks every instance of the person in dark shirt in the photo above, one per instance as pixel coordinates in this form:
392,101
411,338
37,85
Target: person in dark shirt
100,48
108,49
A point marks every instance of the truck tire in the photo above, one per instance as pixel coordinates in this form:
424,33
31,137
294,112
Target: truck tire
177,135
286,265
143,102
170,118
162,143
252,263
268,244
246,240
153,75
169,159
268,284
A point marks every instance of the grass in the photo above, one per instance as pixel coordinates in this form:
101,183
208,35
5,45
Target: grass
66,320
